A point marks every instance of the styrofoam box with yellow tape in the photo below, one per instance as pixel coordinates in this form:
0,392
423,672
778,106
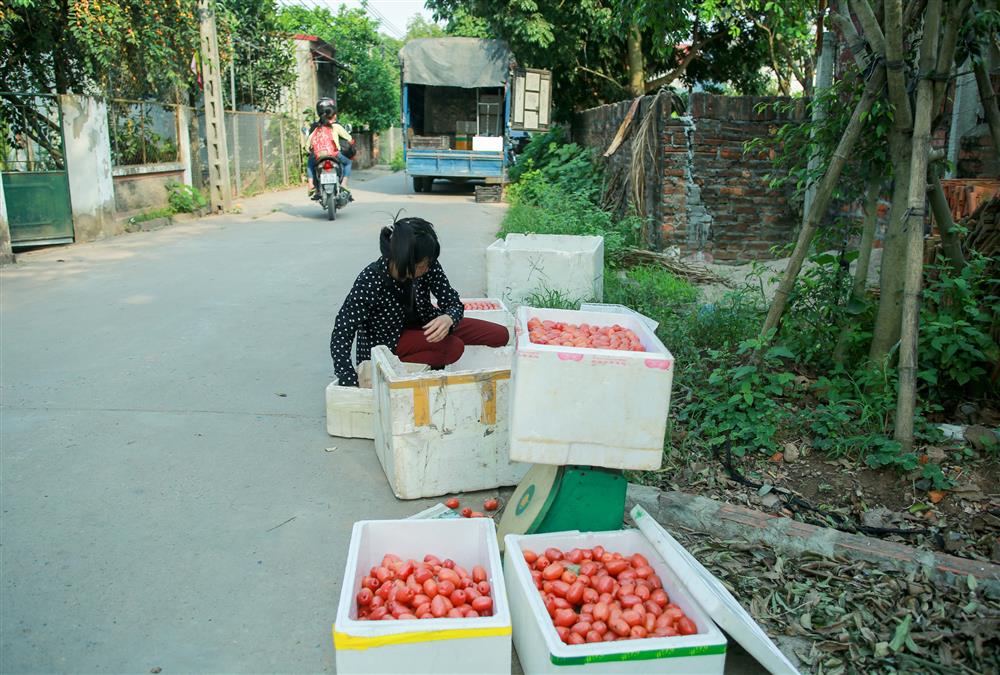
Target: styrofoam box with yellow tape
444,431
477,645
540,650
501,315
597,407
350,411
523,264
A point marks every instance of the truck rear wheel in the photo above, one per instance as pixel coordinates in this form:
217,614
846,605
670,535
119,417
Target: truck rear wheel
428,183
418,183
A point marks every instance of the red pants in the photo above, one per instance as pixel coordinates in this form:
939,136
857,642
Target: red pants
413,347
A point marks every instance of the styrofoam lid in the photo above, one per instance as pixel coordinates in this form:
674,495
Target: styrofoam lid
617,309
724,609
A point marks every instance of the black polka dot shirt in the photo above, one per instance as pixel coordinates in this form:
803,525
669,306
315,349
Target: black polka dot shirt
373,310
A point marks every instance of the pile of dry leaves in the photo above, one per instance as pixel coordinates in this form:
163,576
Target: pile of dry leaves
839,616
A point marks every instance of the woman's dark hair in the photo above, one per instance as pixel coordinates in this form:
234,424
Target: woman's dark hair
407,242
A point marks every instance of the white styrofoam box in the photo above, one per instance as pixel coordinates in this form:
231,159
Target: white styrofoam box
432,646
487,143
502,316
441,432
349,411
540,650
610,308
597,407
523,264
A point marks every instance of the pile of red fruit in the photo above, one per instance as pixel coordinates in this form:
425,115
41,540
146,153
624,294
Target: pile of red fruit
480,305
594,595
591,337
433,589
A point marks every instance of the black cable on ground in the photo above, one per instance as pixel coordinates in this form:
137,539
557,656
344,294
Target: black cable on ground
794,504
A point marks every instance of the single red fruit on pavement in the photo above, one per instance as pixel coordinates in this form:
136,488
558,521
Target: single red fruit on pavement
491,504
466,512
452,503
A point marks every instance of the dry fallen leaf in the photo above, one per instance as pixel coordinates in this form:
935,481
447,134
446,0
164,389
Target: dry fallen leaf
776,457
936,495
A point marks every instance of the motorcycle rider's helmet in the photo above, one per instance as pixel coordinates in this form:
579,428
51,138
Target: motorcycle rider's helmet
326,109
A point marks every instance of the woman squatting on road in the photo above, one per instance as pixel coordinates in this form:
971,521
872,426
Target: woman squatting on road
390,304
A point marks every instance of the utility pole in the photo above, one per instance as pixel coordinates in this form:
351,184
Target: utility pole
220,195
236,119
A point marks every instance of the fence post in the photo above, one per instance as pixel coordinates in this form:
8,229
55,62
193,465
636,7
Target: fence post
234,116
281,137
182,118
260,151
6,254
88,167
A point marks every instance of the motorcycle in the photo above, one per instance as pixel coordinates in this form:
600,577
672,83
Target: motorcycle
331,195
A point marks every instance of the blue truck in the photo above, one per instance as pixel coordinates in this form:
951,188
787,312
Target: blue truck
462,100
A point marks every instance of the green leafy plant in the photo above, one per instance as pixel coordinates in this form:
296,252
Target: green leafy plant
397,163
540,206
742,400
957,315
185,198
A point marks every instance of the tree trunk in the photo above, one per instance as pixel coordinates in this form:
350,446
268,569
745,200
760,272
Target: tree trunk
885,333
873,90
942,216
989,99
910,328
636,70
864,259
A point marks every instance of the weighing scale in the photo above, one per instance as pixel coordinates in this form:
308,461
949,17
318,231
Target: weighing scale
553,498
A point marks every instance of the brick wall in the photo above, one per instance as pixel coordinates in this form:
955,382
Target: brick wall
712,198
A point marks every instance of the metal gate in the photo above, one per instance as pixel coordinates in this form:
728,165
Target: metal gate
33,168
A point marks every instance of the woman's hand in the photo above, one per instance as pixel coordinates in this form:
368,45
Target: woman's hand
437,329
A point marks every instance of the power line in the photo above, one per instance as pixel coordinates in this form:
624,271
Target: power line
391,26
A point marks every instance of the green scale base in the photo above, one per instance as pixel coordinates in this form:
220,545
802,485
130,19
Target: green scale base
554,498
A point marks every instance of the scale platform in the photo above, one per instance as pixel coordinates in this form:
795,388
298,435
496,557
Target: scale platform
553,498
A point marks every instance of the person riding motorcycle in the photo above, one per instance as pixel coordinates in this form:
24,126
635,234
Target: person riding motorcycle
330,133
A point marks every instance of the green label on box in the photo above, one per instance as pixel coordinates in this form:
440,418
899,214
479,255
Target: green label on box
705,650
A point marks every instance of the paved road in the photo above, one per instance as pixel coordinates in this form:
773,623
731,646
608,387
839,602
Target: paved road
168,496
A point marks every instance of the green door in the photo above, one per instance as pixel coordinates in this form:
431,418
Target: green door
32,159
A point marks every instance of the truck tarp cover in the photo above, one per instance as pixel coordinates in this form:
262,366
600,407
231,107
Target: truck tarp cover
469,63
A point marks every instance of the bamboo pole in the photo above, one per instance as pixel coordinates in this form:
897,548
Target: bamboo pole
824,192
946,54
989,99
909,329
942,216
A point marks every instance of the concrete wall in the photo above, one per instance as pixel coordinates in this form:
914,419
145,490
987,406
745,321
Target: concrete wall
387,142
88,165
6,254
365,157
144,188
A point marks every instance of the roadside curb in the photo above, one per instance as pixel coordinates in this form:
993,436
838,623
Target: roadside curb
729,521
